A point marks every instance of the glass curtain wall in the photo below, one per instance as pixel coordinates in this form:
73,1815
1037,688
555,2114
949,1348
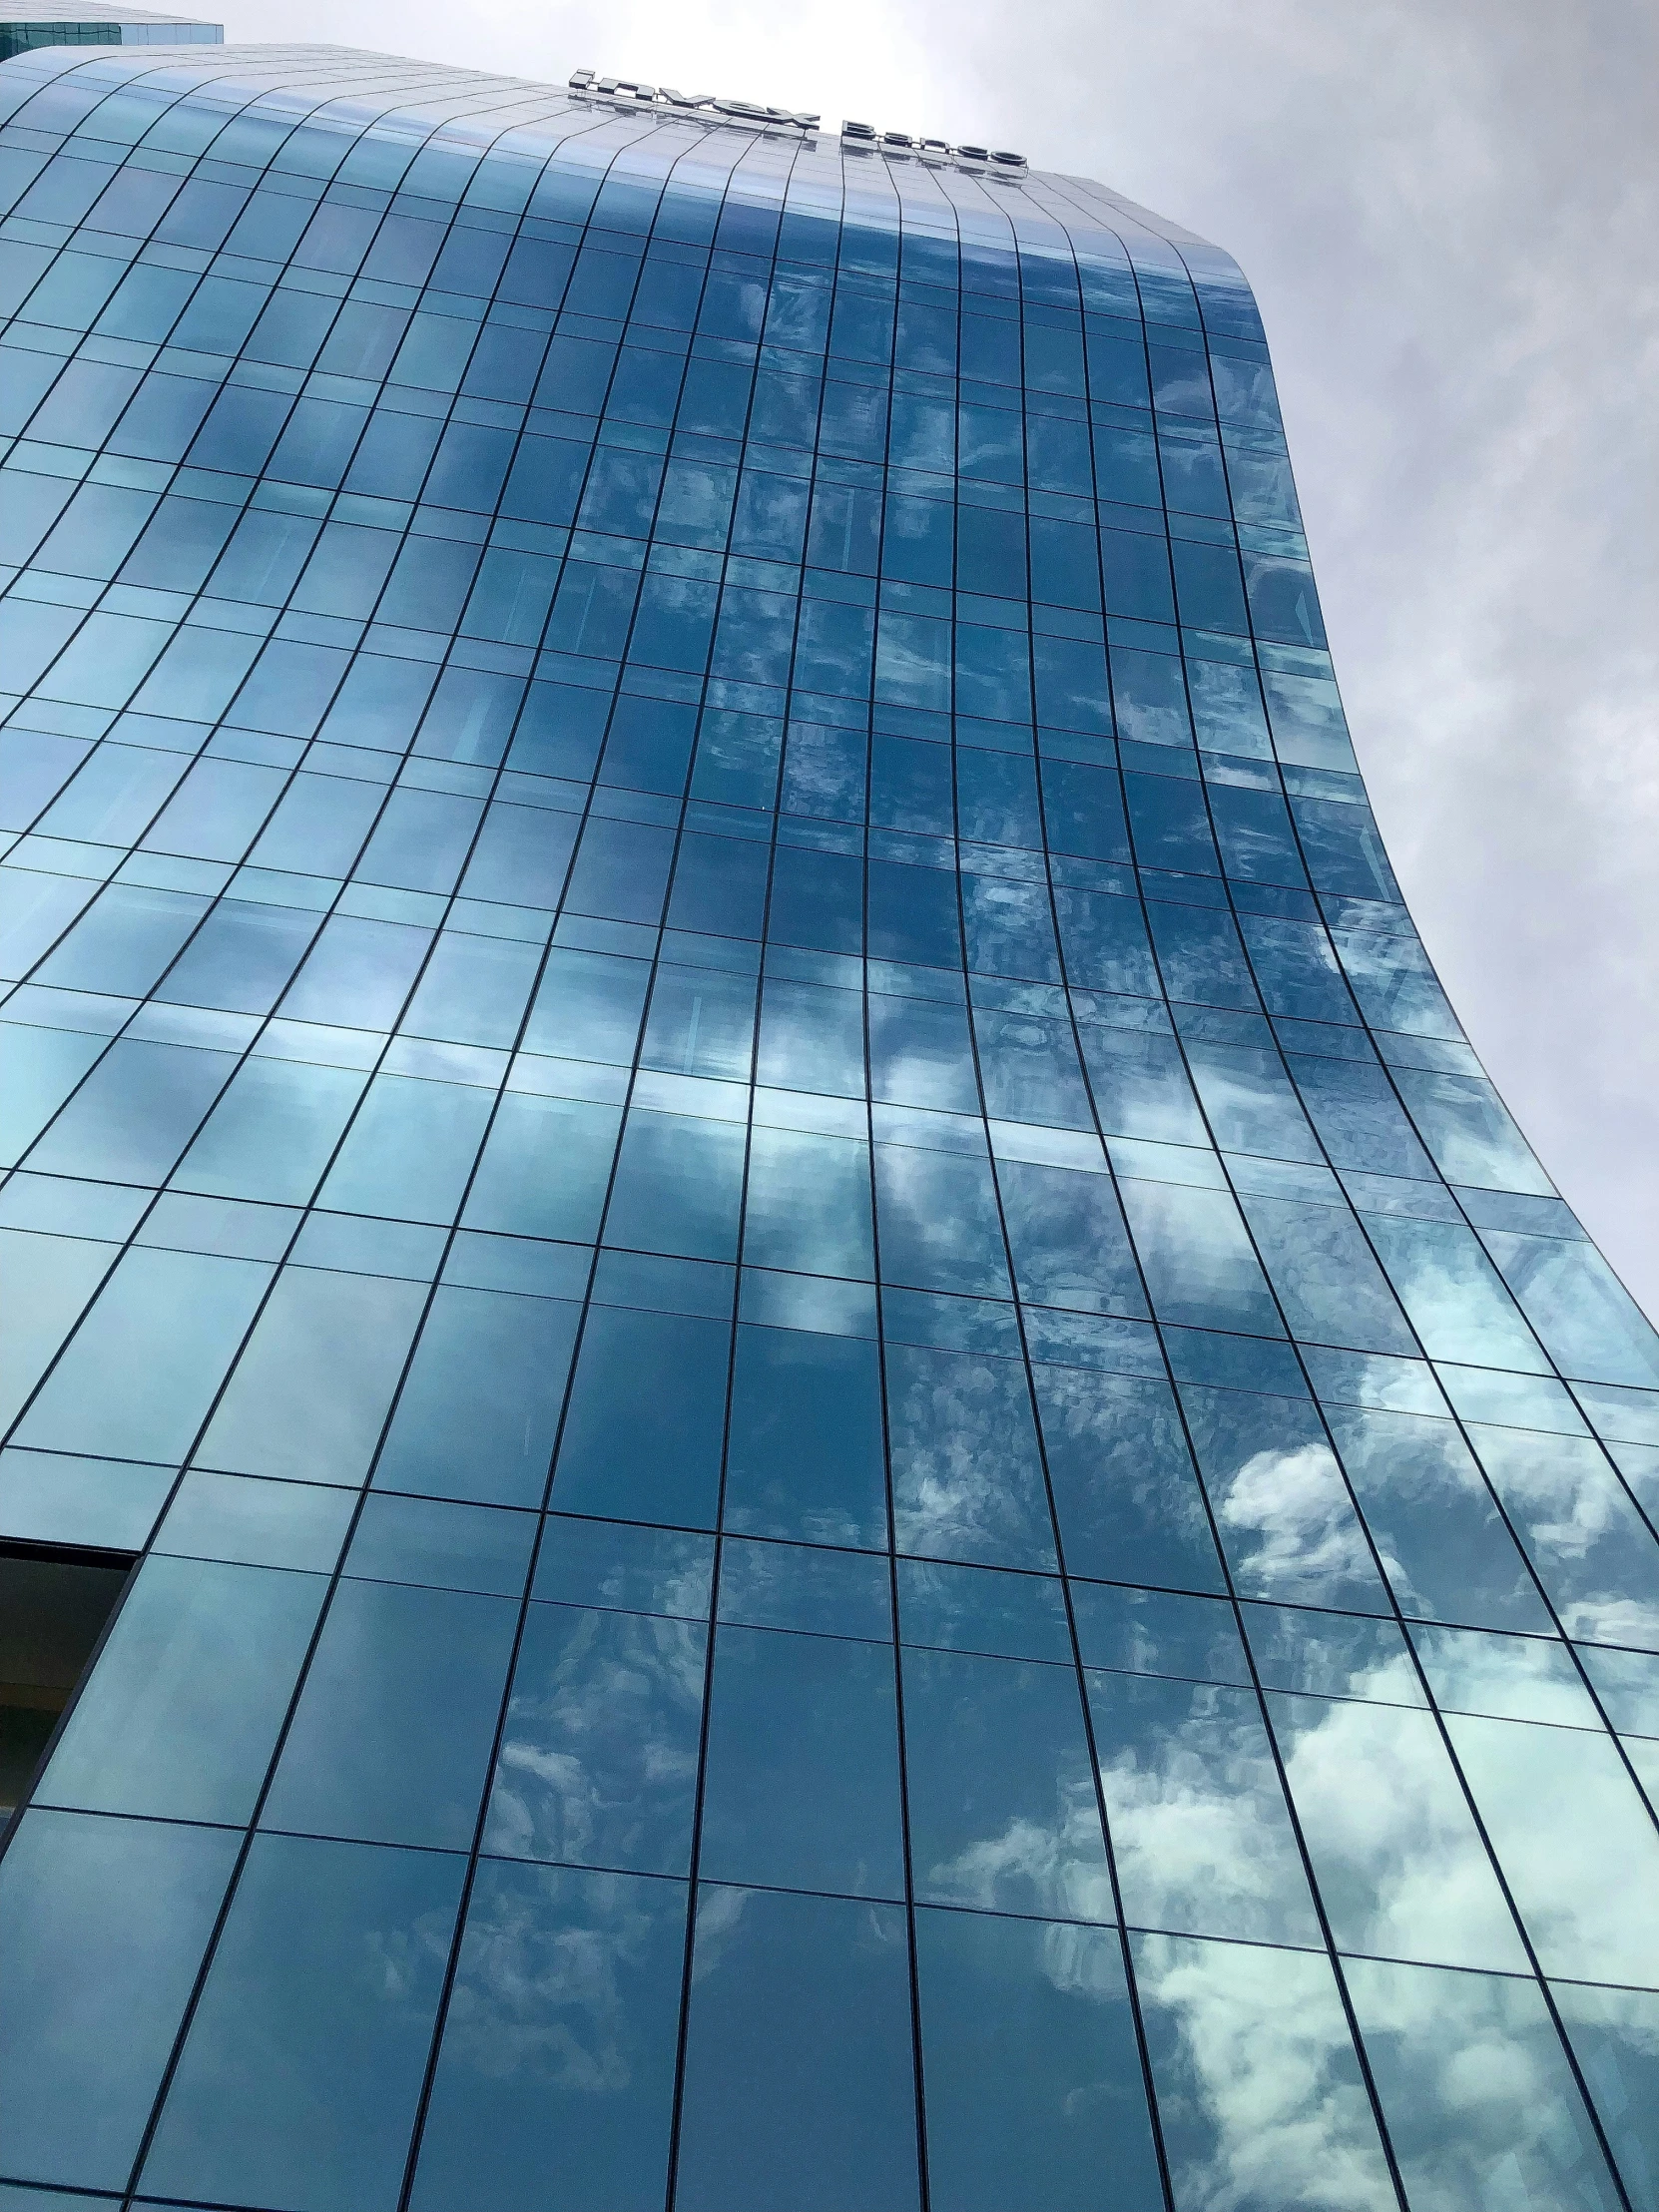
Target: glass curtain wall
866,1474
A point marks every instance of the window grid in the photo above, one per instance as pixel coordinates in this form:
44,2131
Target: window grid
1215,1306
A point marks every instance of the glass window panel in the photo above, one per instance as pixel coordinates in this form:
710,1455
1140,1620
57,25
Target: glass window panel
1013,1616
1126,1498
38,1070
966,1475
804,1458
1595,1555
312,1388
678,1186
409,1151
1513,1678
181,1715
441,1546
645,1455
1201,1834
1034,2084
701,1023
802,1586
939,1225
358,973
1002,1799
134,1113
473,990
50,1279
623,1567
1159,1632
125,940
1331,1654
143,1369
807,1204
1627,1683
1586,1316
103,1924
279,2098
1259,2085
1468,2129
1069,1242
241,958
1575,1843
479,1407
1360,1120
1250,1103
799,2057
920,1055
1615,2038
1468,1130
255,1523
1140,1085
1400,1867
1009,928
1297,974
391,1737
1030,1072
558,2045
1444,1544
1329,1285
1200,1268
803,1765
271,1133
811,1039
1282,1507
1454,1297
545,1167
598,1758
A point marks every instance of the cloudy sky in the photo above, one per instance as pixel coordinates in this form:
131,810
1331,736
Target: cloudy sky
1451,215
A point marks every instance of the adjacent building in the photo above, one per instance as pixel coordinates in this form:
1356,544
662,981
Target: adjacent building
88,23
788,1428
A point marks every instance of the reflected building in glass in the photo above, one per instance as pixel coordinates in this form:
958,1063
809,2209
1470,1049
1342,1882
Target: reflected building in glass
865,1473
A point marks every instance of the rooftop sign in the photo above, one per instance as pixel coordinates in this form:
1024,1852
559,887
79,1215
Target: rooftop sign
858,138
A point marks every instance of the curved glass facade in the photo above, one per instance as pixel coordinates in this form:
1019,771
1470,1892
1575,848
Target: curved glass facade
867,1475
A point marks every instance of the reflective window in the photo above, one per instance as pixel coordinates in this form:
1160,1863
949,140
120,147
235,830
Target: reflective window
858,1465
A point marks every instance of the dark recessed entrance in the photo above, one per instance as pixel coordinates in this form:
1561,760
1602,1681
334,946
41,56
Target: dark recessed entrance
53,1606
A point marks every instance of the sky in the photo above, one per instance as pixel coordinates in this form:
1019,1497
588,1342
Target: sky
1449,215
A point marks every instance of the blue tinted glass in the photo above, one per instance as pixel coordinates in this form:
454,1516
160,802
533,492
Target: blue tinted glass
449,1547
478,1411
823,2096
391,1737
623,1567
803,1779
1035,2082
659,1460
1001,1795
182,1722
598,1759
729,1068
1276,2003
805,1453
945,1411
1417,2025
832,1593
1128,1504
97,1977
1019,1616
558,2046
311,2105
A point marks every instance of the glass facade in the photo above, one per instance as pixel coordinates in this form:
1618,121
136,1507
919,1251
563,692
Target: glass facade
866,1473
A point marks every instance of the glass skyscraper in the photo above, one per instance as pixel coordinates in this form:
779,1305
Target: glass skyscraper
788,1430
